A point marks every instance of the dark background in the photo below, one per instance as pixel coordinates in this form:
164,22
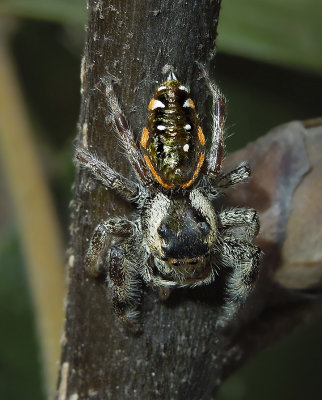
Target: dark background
269,66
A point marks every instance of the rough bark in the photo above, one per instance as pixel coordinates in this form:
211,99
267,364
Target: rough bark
181,353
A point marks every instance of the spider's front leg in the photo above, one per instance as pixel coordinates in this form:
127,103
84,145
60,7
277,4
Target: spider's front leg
244,220
239,227
114,226
123,276
121,273
244,259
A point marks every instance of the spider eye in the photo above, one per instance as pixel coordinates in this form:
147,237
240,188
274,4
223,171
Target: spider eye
204,228
162,230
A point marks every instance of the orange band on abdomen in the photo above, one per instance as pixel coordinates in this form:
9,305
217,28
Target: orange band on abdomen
201,136
155,174
144,138
196,173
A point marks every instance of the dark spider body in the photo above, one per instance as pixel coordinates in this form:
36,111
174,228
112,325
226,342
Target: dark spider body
176,238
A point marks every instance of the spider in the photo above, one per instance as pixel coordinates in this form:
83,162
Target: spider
176,238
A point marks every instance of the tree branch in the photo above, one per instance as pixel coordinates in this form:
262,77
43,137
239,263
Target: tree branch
182,352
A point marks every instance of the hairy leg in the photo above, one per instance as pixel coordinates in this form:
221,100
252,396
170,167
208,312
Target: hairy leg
122,127
218,113
107,176
123,279
114,226
244,259
244,219
237,175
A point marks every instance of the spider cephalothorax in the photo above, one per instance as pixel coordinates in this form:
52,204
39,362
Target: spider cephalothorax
181,234
176,238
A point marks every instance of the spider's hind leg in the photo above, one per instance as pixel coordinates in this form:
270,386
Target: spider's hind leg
122,127
216,152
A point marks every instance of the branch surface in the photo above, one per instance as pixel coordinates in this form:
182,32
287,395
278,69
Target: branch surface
182,353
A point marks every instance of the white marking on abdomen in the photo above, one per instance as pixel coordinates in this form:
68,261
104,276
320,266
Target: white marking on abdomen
157,104
181,87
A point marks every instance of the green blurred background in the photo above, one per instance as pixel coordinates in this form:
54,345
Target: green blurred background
269,66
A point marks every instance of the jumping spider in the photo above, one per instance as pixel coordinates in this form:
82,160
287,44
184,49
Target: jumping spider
176,238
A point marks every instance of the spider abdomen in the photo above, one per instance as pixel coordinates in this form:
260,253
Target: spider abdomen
173,143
